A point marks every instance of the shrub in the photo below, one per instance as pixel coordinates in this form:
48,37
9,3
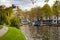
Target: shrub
4,19
1,27
14,22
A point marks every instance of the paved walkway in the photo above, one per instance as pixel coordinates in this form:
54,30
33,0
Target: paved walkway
3,31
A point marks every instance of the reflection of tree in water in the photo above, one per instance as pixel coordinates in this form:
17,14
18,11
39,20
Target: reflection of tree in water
35,33
45,33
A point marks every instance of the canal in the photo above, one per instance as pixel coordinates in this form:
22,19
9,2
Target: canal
41,33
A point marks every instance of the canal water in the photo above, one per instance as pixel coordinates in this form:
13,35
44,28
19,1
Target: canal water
41,33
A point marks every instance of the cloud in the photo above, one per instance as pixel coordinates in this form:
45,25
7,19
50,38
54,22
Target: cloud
25,4
20,2
51,2
5,2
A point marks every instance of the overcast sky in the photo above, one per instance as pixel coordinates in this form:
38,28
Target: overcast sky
25,4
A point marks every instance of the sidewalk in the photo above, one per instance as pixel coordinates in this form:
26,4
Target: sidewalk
3,31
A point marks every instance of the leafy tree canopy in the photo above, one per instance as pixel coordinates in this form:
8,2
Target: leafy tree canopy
47,11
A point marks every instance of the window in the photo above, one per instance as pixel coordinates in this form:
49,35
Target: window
54,20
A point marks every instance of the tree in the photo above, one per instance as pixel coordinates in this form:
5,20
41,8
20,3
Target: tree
18,12
56,9
3,17
9,13
47,11
35,13
34,1
5,14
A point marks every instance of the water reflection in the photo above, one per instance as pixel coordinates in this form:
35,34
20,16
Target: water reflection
41,33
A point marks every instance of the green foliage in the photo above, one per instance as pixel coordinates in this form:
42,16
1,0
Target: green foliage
35,13
1,27
14,22
56,8
13,34
18,12
47,11
4,18
9,11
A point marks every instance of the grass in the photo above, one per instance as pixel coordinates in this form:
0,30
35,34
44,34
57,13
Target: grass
1,27
13,34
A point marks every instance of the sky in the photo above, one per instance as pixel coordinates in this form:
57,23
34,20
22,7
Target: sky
25,4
